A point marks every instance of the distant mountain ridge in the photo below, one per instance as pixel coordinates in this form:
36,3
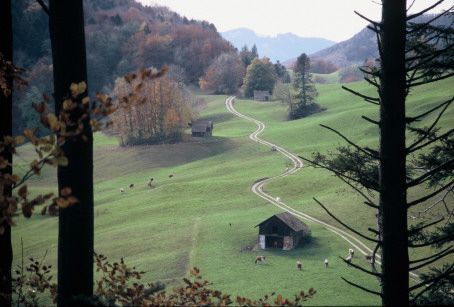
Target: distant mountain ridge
281,47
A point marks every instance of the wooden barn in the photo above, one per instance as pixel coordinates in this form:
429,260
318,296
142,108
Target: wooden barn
282,230
202,128
261,95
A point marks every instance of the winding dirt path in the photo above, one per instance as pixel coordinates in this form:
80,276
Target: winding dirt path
257,187
297,165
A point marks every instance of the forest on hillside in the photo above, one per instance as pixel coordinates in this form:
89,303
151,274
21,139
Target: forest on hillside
122,36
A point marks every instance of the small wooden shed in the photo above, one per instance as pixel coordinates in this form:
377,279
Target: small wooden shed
261,95
202,128
283,231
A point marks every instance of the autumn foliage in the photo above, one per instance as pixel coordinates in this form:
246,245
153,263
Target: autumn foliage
160,110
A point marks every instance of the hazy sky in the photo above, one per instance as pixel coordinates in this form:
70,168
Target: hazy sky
331,19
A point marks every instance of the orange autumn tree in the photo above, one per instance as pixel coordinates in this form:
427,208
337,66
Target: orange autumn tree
161,112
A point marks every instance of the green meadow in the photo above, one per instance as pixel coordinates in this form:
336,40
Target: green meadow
205,215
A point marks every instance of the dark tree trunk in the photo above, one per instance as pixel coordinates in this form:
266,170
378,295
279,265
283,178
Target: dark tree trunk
75,234
6,124
393,202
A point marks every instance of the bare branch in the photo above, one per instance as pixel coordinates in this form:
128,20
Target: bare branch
376,24
430,111
435,279
362,288
429,142
372,100
370,120
369,202
345,225
420,179
432,80
427,258
410,233
439,256
340,175
424,11
44,6
422,199
351,143
360,268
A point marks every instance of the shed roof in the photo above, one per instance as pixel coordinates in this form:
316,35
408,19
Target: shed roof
289,219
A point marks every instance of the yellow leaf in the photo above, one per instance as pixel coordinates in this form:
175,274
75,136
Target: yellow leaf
73,200
68,104
65,191
101,97
19,139
62,161
61,202
53,122
22,191
3,162
28,133
86,100
81,87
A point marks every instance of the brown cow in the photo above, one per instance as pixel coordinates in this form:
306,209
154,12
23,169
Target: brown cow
260,259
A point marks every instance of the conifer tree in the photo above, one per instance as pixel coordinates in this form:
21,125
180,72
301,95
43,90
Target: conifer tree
306,93
411,55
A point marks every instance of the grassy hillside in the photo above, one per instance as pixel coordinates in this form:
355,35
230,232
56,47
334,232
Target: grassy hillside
184,221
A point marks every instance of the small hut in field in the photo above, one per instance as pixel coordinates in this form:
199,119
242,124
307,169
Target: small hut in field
261,95
283,231
202,128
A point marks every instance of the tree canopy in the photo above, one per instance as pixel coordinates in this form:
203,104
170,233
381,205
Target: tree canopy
260,76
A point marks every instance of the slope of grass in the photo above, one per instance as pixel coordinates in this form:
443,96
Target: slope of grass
205,215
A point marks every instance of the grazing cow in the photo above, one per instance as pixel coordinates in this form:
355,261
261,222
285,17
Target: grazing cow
299,266
260,259
122,191
351,252
151,179
171,175
149,183
348,260
326,262
368,257
278,199
131,185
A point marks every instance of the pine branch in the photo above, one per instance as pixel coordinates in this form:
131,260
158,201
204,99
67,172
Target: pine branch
424,11
430,257
444,135
370,120
345,225
372,262
412,119
414,231
435,279
441,239
351,143
423,199
429,173
440,255
376,24
369,202
372,100
360,268
338,174
432,80
362,288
